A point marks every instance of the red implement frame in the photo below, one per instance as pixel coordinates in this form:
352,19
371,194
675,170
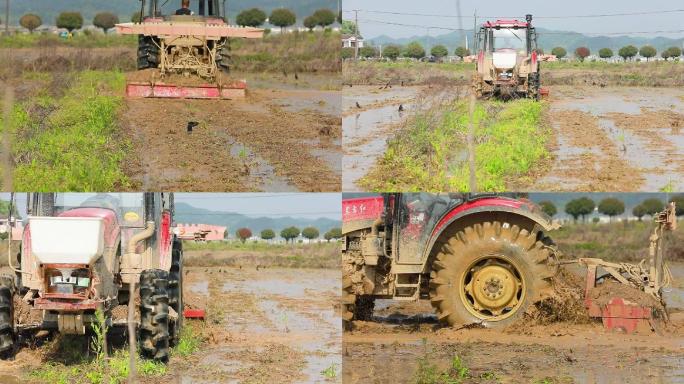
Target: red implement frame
198,314
207,91
619,314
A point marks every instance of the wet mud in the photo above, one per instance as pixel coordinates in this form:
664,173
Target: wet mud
405,337
272,140
615,139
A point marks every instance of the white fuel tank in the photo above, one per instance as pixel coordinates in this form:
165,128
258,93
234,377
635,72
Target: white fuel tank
66,240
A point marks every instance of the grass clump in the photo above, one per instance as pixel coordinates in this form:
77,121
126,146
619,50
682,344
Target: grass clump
190,341
74,144
428,373
430,154
79,40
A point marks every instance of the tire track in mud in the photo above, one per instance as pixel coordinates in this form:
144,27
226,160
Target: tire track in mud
270,325
388,350
615,139
238,145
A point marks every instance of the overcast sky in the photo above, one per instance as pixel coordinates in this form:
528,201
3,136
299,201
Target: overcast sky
306,205
499,8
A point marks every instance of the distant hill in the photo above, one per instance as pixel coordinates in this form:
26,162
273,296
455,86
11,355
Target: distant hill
186,213
567,40
48,10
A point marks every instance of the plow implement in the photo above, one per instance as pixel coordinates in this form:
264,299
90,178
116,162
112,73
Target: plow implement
628,297
234,90
193,49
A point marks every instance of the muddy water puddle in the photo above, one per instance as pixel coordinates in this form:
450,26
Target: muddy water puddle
258,172
655,151
296,309
368,116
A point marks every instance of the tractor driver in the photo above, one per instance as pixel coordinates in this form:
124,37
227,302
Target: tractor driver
185,8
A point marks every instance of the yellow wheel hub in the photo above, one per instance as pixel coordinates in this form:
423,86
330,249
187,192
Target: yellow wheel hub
492,289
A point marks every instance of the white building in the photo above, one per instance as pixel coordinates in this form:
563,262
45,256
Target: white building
351,41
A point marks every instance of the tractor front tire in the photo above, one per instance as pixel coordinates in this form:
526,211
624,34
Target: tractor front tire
490,273
534,87
154,315
6,317
355,307
176,291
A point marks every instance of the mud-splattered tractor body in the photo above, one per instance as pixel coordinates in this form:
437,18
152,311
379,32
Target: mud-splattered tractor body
478,258
84,252
507,60
190,45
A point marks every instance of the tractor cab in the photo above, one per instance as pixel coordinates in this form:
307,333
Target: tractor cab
202,11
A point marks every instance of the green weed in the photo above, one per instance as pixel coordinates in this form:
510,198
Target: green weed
330,372
430,154
75,147
190,341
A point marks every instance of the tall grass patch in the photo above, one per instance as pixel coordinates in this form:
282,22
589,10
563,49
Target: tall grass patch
72,142
430,153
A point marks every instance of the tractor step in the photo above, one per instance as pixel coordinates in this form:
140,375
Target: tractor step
235,90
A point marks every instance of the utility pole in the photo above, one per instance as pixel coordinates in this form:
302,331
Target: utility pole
7,10
356,34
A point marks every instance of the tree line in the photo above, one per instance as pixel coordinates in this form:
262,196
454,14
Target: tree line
611,207
254,17
628,52
413,50
290,233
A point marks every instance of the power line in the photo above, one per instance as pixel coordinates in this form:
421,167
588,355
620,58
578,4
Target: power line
513,17
538,33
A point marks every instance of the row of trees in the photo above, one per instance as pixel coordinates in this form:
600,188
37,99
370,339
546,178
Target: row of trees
285,18
413,50
70,21
254,17
290,233
611,207
627,52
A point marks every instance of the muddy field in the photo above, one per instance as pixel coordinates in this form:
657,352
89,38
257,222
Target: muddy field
616,139
285,135
371,115
281,137
404,340
604,138
263,326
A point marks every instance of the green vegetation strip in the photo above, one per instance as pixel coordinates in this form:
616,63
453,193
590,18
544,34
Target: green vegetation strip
429,153
79,40
98,369
74,147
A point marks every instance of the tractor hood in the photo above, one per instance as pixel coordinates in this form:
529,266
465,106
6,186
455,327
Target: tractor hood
67,240
504,59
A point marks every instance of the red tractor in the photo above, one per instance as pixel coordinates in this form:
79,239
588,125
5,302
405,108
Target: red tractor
478,258
84,252
507,60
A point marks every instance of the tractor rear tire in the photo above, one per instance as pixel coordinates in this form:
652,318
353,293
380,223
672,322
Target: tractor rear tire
176,291
154,315
223,59
148,53
6,317
490,273
355,307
